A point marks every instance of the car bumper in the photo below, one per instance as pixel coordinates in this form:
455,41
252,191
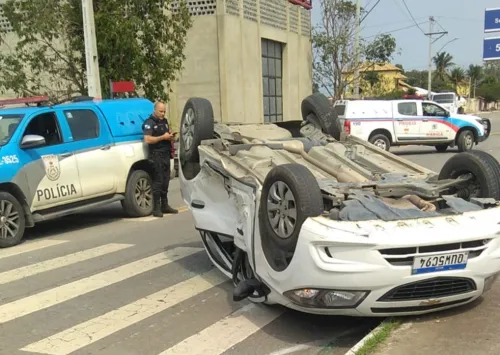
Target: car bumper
487,130
378,260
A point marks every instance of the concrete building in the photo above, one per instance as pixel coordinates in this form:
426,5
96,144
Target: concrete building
251,58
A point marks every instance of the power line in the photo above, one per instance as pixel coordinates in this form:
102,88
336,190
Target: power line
404,2
398,29
369,11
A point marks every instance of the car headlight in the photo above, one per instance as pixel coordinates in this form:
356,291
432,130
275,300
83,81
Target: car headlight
489,281
320,298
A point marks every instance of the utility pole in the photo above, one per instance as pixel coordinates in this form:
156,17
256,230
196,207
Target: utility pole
93,77
356,49
442,33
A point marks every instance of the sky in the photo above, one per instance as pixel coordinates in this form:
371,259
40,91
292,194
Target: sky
463,19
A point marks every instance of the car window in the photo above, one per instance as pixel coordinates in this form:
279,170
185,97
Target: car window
430,109
47,126
8,125
340,110
407,108
83,124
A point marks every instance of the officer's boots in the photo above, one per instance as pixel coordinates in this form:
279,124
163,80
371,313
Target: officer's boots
165,207
157,207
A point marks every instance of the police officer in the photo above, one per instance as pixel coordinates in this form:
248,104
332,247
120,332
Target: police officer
158,135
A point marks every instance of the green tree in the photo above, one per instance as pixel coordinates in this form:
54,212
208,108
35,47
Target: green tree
443,61
371,77
334,46
136,40
457,75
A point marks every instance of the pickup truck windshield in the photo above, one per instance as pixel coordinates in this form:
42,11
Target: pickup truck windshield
444,99
8,125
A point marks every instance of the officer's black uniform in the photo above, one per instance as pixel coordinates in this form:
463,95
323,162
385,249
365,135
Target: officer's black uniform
159,155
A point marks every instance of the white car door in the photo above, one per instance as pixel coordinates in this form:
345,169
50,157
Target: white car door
407,123
437,124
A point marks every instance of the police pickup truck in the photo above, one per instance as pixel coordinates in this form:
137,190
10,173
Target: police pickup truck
387,123
58,160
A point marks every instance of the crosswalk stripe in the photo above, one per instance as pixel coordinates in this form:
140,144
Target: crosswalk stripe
54,296
100,327
227,332
30,270
29,246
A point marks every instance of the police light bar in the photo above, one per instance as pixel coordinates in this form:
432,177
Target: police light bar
307,4
24,100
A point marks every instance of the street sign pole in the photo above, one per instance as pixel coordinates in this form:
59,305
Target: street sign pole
93,77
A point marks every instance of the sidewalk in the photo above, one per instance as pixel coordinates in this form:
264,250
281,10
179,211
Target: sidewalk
468,330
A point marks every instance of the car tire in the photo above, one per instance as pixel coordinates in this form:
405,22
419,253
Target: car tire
317,110
197,124
305,199
465,141
9,207
380,140
441,148
139,182
483,166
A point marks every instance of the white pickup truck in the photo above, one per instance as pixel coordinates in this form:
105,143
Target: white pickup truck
387,123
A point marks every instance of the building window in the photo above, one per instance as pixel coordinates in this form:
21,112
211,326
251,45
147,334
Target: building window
272,75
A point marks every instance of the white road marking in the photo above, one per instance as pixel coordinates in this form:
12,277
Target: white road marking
29,246
100,327
30,270
54,296
227,332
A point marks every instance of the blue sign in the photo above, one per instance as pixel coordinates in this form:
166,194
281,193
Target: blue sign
491,48
492,20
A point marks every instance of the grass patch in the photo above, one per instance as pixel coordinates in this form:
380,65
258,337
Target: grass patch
372,344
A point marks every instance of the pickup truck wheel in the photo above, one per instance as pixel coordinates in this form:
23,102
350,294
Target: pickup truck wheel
483,169
12,220
290,194
465,141
380,140
197,124
317,110
138,200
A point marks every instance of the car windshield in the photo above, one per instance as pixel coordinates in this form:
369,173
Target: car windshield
444,99
8,125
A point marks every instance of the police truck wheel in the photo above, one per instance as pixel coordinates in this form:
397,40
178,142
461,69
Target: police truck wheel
12,220
197,124
465,141
380,140
138,200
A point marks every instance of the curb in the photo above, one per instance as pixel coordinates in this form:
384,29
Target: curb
359,344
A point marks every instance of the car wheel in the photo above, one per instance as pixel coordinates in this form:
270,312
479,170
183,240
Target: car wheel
481,167
197,124
441,148
138,200
12,220
465,141
317,110
290,195
380,140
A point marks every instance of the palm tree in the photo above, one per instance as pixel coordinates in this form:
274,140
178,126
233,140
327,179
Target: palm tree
457,76
475,74
443,61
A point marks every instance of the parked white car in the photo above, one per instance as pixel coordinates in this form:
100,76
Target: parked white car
296,217
387,123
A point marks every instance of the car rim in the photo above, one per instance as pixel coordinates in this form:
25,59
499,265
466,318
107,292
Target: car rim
188,128
143,194
281,209
9,220
468,141
380,143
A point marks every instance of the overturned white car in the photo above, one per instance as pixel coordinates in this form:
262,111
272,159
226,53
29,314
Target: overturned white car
297,215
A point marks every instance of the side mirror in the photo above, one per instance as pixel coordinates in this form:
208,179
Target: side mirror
32,141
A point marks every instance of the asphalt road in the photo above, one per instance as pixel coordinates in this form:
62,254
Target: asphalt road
96,283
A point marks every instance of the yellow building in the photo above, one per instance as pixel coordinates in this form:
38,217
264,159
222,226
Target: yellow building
376,79
251,58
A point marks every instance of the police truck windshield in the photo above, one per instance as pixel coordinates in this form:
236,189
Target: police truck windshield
8,125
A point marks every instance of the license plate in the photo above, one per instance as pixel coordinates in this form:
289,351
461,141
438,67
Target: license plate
440,262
